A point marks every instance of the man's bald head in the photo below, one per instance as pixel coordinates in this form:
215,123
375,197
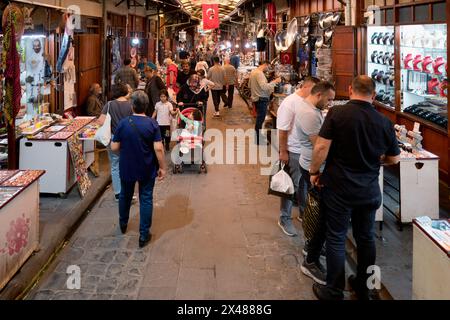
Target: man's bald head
363,86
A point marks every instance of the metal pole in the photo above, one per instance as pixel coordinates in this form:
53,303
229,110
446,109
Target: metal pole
105,49
157,35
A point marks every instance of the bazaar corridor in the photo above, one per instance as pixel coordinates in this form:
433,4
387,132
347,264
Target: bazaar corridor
215,236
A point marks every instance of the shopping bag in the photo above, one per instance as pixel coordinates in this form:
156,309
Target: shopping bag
280,183
103,134
312,212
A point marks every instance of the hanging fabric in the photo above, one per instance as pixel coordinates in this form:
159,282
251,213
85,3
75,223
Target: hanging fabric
11,62
210,16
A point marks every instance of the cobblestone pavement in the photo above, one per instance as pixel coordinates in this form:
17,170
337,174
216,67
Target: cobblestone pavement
215,236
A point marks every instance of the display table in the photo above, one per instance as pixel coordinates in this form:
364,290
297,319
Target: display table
49,151
431,261
19,219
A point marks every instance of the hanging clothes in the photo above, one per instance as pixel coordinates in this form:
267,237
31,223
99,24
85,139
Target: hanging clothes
11,60
69,80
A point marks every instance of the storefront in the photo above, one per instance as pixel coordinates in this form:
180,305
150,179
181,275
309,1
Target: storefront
402,46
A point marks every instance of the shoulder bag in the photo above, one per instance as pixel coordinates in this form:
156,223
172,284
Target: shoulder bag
103,134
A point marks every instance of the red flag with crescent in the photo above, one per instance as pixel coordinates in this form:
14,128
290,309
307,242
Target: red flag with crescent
210,16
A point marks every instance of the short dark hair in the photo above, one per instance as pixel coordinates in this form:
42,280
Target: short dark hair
163,92
216,59
311,79
140,101
201,72
197,115
127,61
119,90
364,85
322,87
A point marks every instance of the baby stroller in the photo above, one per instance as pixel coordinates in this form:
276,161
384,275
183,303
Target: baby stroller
190,146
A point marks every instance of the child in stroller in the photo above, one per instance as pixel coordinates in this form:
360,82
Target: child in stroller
190,137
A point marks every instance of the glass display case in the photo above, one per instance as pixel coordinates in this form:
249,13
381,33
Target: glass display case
380,62
423,55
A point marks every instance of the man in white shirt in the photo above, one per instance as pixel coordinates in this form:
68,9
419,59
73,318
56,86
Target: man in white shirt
308,121
290,148
202,65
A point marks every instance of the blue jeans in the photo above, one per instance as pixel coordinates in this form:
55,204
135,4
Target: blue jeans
338,212
294,172
145,202
115,174
261,112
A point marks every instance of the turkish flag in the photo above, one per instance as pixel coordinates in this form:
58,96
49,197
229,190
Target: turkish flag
210,16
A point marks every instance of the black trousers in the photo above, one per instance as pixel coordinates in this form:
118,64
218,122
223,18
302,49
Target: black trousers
216,95
230,93
338,213
165,135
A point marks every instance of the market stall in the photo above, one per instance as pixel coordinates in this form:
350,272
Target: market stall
70,145
19,219
407,58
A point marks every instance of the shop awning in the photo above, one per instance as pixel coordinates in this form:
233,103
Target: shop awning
194,7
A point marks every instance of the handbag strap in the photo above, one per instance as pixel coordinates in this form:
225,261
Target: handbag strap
109,105
141,136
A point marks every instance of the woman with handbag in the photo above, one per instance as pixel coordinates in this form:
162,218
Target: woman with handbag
117,109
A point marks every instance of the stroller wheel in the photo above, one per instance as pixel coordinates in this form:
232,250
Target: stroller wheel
174,170
203,168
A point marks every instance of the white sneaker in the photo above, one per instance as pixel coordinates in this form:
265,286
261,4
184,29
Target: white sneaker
216,114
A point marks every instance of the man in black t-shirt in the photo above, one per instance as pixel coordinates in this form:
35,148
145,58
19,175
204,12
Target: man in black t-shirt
354,140
184,74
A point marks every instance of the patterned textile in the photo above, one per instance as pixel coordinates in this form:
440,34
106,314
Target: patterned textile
11,61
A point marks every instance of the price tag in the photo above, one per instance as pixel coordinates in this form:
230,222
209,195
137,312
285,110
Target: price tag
416,127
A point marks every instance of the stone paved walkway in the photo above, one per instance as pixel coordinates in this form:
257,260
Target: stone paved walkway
215,236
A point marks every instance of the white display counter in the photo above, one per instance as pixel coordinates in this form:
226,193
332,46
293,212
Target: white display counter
50,151
431,262
19,222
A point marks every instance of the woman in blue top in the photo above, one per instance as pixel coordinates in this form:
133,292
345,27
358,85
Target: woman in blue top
138,139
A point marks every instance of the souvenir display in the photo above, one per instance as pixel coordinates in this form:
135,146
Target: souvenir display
81,173
7,194
42,136
63,135
88,132
424,72
79,123
54,128
380,62
22,178
6,174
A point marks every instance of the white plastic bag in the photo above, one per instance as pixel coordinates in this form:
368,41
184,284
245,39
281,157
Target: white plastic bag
103,134
281,184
